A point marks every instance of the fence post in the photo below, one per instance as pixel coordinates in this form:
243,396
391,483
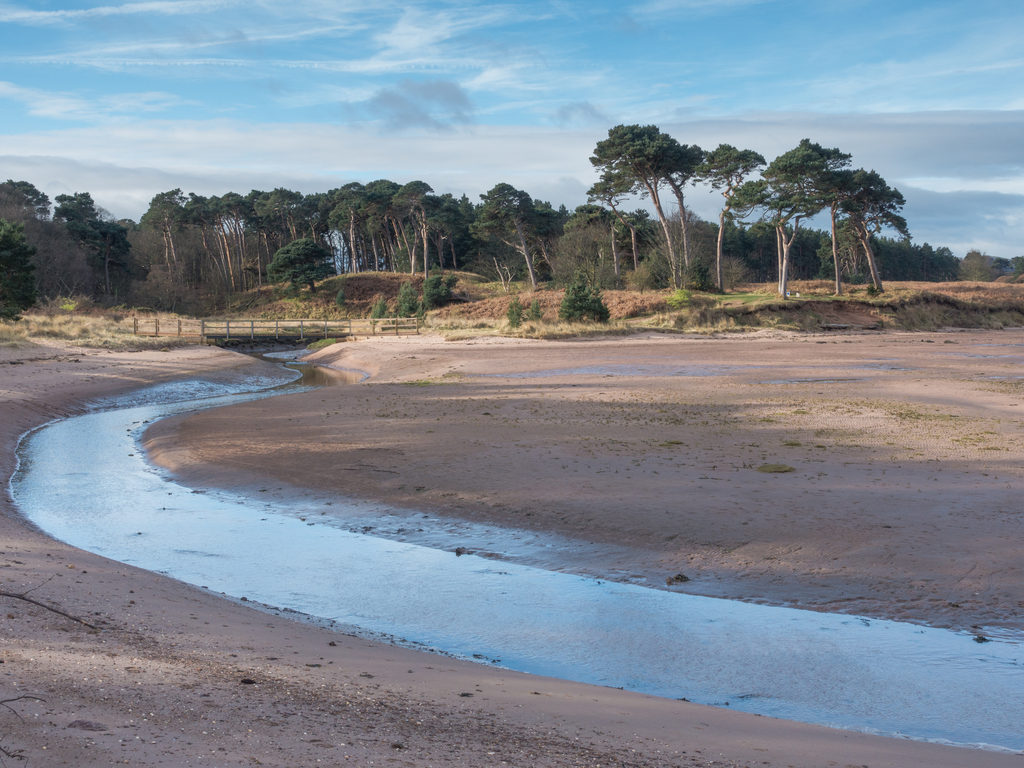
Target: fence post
227,329
179,327
202,330
277,329
302,331
135,326
252,329
156,325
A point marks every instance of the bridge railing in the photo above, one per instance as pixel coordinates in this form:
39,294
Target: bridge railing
275,329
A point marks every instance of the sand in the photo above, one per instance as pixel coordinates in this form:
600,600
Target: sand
903,502
159,679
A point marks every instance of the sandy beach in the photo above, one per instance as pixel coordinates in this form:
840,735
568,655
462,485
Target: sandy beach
642,452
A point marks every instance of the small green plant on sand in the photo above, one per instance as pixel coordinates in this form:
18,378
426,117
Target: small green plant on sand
679,300
582,303
408,300
775,469
536,313
380,308
515,313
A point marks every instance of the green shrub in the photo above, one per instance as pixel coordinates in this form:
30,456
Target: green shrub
408,300
437,291
642,278
697,277
515,313
536,313
339,300
582,303
380,308
679,300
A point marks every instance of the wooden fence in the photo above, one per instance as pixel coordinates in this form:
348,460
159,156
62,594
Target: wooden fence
275,329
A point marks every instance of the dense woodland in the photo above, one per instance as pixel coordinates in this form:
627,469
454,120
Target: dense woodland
189,253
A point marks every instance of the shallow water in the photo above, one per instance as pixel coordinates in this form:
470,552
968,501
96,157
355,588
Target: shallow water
878,676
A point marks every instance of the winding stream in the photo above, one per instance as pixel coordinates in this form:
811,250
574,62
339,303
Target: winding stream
870,675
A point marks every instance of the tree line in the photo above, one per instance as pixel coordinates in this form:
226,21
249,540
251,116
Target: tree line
188,248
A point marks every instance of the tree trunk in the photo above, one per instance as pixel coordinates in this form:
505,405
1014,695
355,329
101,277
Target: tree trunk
786,245
376,254
426,251
778,255
835,253
652,190
352,242
615,260
106,268
526,255
678,192
865,239
632,235
719,278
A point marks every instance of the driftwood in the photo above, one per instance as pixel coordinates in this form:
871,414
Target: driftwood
24,596
14,754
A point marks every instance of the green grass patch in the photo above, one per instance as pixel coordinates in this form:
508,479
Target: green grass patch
323,343
776,469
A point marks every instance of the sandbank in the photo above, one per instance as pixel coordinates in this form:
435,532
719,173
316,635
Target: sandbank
159,681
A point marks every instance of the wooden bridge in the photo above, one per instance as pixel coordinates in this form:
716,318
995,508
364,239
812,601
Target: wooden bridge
287,330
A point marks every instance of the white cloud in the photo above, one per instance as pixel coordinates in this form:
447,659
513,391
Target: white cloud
11,15
976,157
68,106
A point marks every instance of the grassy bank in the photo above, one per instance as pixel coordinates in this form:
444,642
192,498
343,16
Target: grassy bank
480,309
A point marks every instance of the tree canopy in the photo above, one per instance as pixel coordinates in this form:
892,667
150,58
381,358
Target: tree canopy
17,286
301,262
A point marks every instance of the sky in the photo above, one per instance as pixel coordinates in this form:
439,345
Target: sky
128,100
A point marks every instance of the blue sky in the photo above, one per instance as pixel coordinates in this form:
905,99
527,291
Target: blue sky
126,100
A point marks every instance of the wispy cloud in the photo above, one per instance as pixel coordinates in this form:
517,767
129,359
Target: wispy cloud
69,106
12,15
663,7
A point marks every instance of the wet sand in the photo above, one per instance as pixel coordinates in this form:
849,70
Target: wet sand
159,680
641,456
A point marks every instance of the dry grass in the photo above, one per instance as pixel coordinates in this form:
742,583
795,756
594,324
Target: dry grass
454,329
621,305
105,331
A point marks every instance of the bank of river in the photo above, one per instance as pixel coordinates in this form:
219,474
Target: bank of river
877,676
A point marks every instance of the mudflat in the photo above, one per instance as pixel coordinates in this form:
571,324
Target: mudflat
156,672
898,460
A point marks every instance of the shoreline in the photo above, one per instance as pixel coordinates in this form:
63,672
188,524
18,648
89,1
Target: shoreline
169,641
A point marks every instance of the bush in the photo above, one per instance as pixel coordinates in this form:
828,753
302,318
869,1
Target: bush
339,300
697,277
437,291
642,278
679,300
536,313
408,300
515,313
582,303
380,308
